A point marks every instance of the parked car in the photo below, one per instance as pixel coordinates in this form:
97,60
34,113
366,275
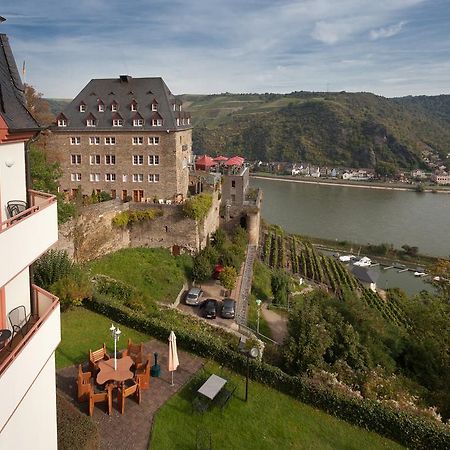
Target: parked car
194,296
210,306
228,308
218,268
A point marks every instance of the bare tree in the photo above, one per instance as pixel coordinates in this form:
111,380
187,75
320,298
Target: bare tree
38,107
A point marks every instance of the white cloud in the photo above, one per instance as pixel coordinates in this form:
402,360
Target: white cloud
387,32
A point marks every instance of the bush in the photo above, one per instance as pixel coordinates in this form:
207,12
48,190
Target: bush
75,430
228,277
406,428
50,267
197,207
125,218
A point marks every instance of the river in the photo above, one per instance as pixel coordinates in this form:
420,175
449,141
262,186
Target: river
360,216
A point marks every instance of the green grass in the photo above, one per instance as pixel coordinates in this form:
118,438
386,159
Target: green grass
155,273
268,420
82,330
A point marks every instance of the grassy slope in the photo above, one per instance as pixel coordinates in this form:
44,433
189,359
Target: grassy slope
268,420
82,330
157,274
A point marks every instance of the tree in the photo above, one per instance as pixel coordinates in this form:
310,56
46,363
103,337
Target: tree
228,277
38,107
202,269
280,287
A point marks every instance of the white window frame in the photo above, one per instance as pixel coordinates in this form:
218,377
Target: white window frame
75,159
157,122
110,140
114,107
188,120
137,140
91,123
75,140
117,123
95,159
178,121
133,107
110,177
154,106
94,177
153,160
124,178
82,108
110,160
138,122
62,123
75,177
138,177
137,160
94,140
101,107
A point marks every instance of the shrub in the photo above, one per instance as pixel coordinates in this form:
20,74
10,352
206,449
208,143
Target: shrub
406,428
228,277
50,267
75,430
198,206
202,268
125,218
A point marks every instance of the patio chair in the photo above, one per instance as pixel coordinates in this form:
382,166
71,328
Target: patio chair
143,374
126,389
135,351
98,394
200,405
15,207
18,318
96,356
226,395
83,384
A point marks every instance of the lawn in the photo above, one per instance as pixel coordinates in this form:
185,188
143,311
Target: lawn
268,420
155,273
82,330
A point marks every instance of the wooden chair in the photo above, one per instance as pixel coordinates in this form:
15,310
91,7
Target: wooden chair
97,395
84,384
135,351
126,389
143,374
96,356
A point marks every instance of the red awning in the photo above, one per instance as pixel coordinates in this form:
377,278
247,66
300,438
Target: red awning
204,161
235,161
221,158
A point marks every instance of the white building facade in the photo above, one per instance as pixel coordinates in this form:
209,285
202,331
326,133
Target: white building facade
27,361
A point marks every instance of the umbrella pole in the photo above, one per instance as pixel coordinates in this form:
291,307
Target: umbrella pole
172,378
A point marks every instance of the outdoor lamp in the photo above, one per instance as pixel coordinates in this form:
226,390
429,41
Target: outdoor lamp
258,309
115,333
252,353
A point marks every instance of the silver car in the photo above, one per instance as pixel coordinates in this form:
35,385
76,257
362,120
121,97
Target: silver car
194,296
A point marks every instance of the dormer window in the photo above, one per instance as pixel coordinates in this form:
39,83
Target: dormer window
138,122
62,123
82,107
133,106
157,122
188,120
174,106
155,106
178,122
91,121
117,122
114,106
101,106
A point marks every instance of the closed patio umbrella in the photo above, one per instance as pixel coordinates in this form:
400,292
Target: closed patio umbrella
173,354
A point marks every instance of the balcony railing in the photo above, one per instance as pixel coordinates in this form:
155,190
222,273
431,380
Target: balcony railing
44,304
37,201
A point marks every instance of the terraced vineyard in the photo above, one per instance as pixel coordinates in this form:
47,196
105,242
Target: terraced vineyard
289,253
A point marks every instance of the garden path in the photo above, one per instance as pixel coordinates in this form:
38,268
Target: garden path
276,322
133,429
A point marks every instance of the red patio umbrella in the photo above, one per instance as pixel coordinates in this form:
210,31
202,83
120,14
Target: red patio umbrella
220,158
204,162
235,161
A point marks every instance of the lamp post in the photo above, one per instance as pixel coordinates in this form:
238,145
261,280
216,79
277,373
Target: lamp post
258,306
115,333
252,353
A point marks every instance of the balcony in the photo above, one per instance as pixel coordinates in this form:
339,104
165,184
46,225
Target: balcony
21,363
24,237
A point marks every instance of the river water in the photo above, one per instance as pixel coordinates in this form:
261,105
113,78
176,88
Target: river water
361,216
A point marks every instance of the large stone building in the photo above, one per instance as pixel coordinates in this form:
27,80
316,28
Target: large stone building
128,137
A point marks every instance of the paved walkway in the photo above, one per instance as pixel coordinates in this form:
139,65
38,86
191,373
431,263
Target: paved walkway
132,430
245,285
276,322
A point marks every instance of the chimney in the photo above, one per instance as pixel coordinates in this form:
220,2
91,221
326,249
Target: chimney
125,78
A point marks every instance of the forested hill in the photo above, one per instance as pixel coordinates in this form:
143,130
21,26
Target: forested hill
350,129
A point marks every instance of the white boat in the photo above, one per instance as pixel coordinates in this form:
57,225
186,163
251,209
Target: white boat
346,258
363,262
420,274
436,278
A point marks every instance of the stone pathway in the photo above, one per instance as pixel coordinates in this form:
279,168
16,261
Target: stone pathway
245,285
276,322
132,430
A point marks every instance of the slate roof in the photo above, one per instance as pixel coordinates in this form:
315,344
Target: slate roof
124,91
365,274
12,100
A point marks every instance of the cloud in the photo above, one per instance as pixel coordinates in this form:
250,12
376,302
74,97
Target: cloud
387,32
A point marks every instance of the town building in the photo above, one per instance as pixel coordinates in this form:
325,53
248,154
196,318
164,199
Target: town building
440,177
128,137
29,316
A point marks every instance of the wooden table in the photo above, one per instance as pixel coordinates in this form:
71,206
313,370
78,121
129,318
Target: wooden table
212,386
107,372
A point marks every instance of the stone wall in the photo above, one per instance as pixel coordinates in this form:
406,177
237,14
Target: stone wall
91,234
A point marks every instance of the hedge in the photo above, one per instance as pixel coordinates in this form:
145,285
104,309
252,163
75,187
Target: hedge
75,430
406,428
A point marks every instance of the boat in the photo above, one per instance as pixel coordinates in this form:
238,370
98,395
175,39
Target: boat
420,274
346,258
363,262
436,278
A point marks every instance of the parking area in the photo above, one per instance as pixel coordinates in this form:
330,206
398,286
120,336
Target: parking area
211,289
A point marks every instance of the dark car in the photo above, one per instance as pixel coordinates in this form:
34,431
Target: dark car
228,308
210,308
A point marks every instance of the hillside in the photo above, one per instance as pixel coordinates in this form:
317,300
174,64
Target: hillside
347,129
359,129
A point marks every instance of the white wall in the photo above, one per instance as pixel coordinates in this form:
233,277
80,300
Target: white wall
12,179
33,424
17,292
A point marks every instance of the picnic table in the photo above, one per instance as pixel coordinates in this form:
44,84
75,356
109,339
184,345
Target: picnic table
212,386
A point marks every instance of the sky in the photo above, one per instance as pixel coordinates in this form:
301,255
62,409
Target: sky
388,47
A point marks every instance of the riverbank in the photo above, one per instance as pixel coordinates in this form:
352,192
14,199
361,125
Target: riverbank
347,183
